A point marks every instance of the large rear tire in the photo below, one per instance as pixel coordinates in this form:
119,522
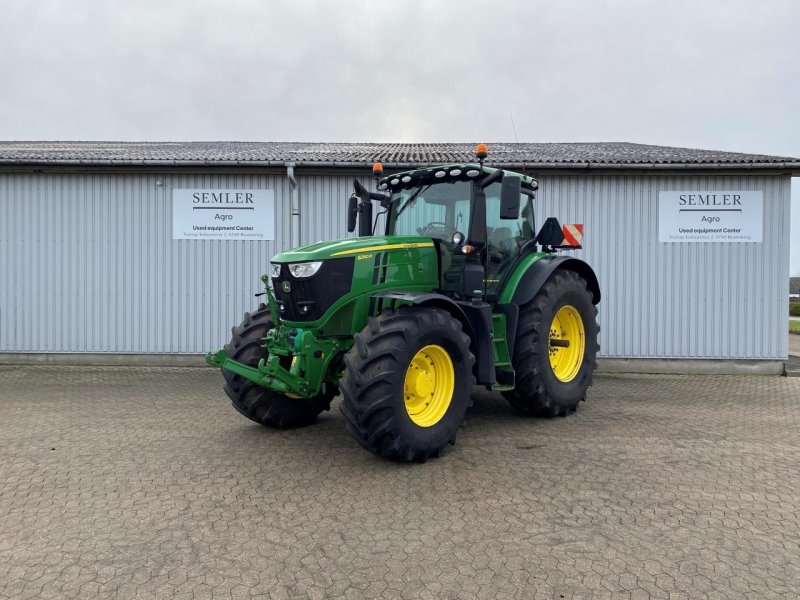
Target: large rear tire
555,352
258,403
407,383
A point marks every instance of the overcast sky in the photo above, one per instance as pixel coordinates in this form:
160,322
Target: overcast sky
707,74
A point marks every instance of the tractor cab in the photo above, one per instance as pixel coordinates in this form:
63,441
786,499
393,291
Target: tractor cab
478,236
480,219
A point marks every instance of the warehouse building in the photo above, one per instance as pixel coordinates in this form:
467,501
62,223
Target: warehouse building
104,257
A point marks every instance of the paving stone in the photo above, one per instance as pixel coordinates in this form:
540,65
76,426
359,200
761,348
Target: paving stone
145,483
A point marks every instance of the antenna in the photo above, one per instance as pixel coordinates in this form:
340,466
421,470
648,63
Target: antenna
510,114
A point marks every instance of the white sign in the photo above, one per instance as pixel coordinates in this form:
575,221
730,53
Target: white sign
223,214
701,216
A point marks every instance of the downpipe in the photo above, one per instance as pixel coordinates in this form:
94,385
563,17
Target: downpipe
294,242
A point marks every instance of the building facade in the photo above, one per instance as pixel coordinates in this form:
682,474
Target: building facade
90,266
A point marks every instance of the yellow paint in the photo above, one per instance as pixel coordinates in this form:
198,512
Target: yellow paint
567,325
386,247
429,384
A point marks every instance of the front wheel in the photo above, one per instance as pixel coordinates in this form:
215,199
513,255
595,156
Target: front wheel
407,383
258,403
555,352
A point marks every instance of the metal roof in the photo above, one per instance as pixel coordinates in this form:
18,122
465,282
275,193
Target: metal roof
523,155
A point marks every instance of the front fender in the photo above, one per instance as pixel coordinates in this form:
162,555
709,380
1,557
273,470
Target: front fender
476,319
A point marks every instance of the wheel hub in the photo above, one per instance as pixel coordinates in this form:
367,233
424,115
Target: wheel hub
428,386
424,384
567,343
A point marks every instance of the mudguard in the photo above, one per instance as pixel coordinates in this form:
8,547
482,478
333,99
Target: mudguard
538,272
476,317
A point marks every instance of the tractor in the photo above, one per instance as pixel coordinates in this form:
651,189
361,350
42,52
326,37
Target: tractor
460,290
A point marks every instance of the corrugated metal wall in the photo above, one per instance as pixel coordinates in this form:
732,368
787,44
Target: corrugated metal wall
678,300
87,263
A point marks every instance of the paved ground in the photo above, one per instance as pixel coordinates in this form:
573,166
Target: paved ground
123,483
794,344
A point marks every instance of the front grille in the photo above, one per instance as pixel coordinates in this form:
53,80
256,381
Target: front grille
316,293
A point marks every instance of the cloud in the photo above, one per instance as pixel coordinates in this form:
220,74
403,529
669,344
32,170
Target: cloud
714,74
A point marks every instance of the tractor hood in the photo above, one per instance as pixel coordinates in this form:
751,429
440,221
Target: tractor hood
351,247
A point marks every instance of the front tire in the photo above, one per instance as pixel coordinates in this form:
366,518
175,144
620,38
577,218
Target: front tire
258,403
407,383
555,352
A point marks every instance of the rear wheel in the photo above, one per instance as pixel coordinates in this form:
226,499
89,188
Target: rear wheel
555,352
258,403
407,383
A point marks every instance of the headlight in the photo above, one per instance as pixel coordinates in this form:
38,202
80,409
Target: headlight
306,269
275,270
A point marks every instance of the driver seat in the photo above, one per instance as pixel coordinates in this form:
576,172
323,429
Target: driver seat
501,239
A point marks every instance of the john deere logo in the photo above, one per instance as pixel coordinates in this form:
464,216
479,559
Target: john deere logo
286,287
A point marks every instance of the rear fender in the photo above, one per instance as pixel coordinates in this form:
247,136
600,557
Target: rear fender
537,273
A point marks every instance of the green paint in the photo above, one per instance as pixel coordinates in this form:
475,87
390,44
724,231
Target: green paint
311,358
502,358
314,350
519,272
411,267
359,246
317,347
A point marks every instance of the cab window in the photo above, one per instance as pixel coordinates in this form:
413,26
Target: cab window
435,211
504,237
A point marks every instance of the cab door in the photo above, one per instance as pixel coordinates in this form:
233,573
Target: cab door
504,237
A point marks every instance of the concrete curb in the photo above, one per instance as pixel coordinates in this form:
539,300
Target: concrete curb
605,365
792,366
691,366
102,359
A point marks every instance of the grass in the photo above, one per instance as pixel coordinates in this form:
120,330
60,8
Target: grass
794,327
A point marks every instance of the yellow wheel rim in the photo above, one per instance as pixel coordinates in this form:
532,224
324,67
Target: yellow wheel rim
428,386
567,343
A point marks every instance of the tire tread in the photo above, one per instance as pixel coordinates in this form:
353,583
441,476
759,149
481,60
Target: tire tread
530,395
257,403
372,370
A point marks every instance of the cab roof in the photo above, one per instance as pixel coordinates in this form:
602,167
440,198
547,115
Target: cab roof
448,173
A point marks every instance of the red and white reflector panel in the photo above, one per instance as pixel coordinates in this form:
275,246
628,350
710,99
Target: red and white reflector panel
573,234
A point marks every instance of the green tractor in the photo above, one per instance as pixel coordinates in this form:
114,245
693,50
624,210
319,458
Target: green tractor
460,290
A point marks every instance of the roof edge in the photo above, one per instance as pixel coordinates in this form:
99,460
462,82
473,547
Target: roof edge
792,167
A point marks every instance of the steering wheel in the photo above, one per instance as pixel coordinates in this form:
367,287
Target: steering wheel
437,227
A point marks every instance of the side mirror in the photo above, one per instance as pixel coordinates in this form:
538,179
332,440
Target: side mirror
510,191
352,213
361,191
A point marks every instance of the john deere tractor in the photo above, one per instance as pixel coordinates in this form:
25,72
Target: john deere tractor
461,289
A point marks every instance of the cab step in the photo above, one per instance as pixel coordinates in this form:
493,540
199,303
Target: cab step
504,371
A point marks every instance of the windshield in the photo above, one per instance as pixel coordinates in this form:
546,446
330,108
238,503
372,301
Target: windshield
436,210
